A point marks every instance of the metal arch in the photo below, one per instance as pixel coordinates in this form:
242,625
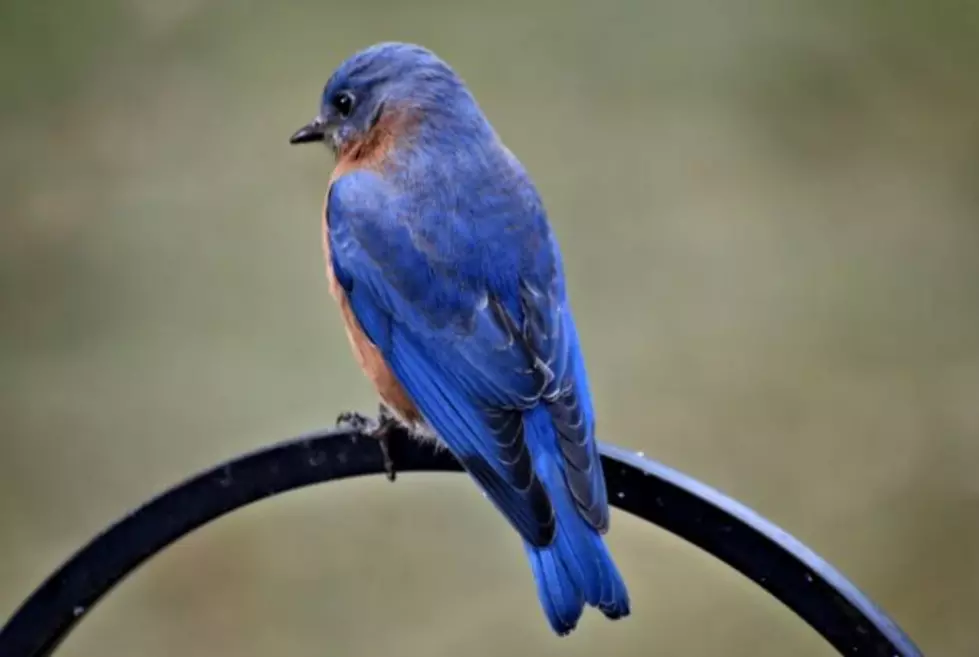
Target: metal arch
733,533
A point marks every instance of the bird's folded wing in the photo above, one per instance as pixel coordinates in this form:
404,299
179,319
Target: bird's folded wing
473,359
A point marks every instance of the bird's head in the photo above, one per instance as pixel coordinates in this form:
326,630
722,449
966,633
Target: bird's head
384,81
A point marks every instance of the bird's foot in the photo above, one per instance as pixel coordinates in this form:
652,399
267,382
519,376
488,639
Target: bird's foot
354,421
377,428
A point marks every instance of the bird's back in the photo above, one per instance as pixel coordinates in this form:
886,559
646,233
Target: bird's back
473,208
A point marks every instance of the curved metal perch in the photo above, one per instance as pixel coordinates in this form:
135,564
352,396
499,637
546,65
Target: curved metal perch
777,562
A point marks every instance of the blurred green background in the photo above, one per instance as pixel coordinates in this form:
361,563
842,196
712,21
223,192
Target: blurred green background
770,215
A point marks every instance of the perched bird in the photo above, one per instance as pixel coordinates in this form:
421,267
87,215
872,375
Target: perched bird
451,286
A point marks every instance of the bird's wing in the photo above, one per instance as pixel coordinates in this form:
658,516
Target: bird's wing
473,357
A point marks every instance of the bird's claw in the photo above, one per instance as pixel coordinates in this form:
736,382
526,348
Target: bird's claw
353,421
379,429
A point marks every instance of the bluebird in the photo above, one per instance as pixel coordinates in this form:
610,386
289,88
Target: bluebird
451,287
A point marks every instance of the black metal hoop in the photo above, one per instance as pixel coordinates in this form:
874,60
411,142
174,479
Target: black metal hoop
733,533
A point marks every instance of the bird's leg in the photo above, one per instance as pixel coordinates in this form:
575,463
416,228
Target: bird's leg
388,422
380,429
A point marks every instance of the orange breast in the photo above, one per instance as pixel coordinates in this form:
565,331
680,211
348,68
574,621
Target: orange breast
368,356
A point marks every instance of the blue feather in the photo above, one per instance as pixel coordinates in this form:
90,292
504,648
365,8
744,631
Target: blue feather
577,568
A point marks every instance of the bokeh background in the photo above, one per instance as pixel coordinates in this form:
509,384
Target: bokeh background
770,215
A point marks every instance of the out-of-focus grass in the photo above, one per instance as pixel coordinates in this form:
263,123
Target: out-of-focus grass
769,217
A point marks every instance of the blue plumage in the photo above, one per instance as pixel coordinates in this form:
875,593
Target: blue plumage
441,245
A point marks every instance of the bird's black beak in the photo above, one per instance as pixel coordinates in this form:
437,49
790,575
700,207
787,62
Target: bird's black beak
312,131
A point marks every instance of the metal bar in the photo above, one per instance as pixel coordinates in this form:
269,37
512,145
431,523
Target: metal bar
733,533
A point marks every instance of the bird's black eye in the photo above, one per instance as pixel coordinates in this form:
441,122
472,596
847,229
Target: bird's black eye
343,102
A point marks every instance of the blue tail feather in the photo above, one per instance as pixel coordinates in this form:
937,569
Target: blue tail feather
576,569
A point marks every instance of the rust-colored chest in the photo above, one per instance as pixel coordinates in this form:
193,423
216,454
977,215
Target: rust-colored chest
367,354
